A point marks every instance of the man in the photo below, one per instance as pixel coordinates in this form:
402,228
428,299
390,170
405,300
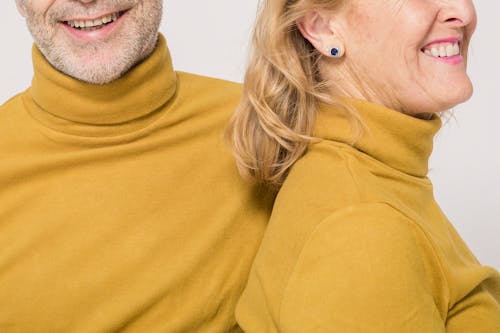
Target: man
120,206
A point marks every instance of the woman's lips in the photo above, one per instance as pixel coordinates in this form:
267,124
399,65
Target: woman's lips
447,50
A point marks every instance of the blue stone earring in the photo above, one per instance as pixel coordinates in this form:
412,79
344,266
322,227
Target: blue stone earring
335,52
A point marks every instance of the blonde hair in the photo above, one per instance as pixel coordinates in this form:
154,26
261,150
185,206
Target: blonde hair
274,122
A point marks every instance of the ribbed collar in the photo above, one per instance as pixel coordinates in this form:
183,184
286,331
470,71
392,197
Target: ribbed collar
398,140
66,102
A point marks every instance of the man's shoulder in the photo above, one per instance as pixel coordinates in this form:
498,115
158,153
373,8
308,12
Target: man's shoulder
206,96
12,121
13,103
195,84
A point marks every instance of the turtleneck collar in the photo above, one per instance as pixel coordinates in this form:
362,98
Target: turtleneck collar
64,102
398,140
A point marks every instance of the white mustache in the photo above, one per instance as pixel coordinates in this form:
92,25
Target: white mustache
71,9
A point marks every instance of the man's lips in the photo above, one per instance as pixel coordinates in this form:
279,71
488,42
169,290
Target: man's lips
94,29
94,23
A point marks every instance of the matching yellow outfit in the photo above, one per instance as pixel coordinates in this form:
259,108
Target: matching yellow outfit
121,210
120,205
357,243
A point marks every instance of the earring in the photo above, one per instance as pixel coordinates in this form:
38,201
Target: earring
336,52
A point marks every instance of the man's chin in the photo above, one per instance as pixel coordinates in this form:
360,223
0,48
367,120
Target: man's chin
93,72
93,64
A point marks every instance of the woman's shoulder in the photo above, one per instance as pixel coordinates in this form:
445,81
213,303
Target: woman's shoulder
333,176
370,246
329,177
355,225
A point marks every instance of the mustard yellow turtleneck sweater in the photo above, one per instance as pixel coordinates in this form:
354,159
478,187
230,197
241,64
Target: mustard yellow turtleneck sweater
120,206
357,244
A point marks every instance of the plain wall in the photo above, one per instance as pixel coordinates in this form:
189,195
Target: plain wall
211,37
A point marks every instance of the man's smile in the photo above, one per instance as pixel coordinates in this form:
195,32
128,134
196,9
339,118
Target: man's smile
93,23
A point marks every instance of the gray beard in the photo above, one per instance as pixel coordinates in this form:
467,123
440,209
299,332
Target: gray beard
124,51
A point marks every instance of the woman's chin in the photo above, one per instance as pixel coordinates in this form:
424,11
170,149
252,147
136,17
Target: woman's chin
448,98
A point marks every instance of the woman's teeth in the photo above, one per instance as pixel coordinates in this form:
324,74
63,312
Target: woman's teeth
90,25
442,50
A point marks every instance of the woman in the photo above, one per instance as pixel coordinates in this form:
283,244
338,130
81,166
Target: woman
342,101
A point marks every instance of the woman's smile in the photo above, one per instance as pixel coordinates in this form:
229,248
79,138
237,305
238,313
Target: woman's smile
409,57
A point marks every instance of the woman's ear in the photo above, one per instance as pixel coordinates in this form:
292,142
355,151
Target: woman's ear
318,30
20,7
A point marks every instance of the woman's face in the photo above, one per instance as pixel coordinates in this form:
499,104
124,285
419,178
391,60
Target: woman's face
412,54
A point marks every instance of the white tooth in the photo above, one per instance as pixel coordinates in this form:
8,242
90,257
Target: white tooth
456,49
435,52
442,52
93,23
428,52
449,51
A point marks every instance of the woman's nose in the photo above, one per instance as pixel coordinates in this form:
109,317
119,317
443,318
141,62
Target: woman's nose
458,13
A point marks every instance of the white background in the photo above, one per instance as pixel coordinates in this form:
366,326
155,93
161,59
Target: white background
210,38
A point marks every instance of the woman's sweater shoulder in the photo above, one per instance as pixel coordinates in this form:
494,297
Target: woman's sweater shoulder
344,219
366,256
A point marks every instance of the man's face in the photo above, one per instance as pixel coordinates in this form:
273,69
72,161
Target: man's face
95,41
